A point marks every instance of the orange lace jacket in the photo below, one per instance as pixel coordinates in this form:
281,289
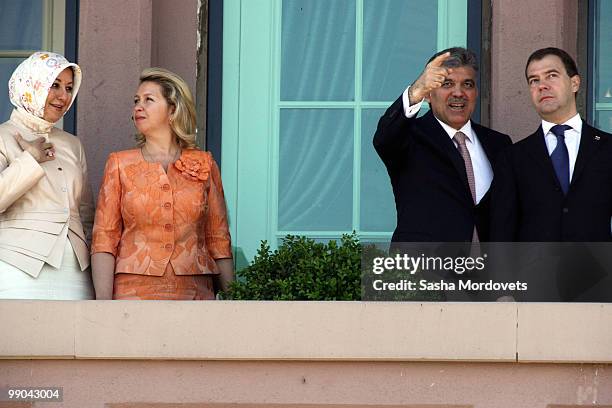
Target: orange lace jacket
147,218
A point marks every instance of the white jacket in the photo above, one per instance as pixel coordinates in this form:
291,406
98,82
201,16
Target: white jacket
42,204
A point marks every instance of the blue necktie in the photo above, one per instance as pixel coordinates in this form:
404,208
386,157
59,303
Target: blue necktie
560,157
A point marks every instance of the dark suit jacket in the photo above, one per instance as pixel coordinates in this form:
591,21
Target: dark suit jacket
527,201
432,194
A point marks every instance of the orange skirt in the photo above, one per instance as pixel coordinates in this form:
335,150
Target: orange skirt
169,286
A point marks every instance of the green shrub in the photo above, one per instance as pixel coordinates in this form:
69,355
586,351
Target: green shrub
302,269
371,251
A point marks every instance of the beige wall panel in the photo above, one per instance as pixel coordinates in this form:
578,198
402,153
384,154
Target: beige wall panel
296,330
36,329
565,332
349,331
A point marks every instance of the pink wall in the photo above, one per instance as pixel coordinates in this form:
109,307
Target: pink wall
174,37
519,27
117,40
94,383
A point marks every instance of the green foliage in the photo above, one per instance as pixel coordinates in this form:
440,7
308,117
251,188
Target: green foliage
302,269
371,251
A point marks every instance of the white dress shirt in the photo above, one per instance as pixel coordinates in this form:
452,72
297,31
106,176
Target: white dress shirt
572,139
483,173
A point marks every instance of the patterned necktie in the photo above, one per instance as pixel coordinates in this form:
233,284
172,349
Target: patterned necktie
560,157
460,139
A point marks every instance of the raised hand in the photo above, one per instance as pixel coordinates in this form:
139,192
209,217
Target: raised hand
432,77
40,149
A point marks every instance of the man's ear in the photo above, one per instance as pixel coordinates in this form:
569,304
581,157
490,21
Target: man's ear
575,83
427,97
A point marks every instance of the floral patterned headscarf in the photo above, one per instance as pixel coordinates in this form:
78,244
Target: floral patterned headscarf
30,83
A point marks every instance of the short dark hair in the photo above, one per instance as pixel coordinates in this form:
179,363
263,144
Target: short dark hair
459,57
568,61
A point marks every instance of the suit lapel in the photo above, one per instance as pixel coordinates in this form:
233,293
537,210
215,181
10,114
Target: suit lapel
589,144
439,140
485,141
539,152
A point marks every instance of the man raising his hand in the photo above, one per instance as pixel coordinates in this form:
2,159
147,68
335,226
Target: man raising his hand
440,165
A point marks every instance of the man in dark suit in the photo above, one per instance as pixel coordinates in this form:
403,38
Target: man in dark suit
439,164
556,184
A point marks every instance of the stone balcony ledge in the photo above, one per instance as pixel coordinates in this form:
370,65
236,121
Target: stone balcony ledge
303,331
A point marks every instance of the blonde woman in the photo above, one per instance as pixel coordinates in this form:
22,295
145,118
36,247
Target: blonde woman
161,226
46,206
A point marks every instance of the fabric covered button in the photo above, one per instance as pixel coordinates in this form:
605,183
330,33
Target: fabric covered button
166,187
168,227
168,247
167,206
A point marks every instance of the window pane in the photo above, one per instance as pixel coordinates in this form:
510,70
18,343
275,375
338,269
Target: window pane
603,52
398,38
21,24
318,50
603,120
7,66
602,65
377,203
315,191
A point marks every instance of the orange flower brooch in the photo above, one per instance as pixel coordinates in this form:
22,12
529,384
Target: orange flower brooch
193,169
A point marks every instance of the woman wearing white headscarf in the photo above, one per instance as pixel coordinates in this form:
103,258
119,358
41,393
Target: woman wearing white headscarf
45,202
